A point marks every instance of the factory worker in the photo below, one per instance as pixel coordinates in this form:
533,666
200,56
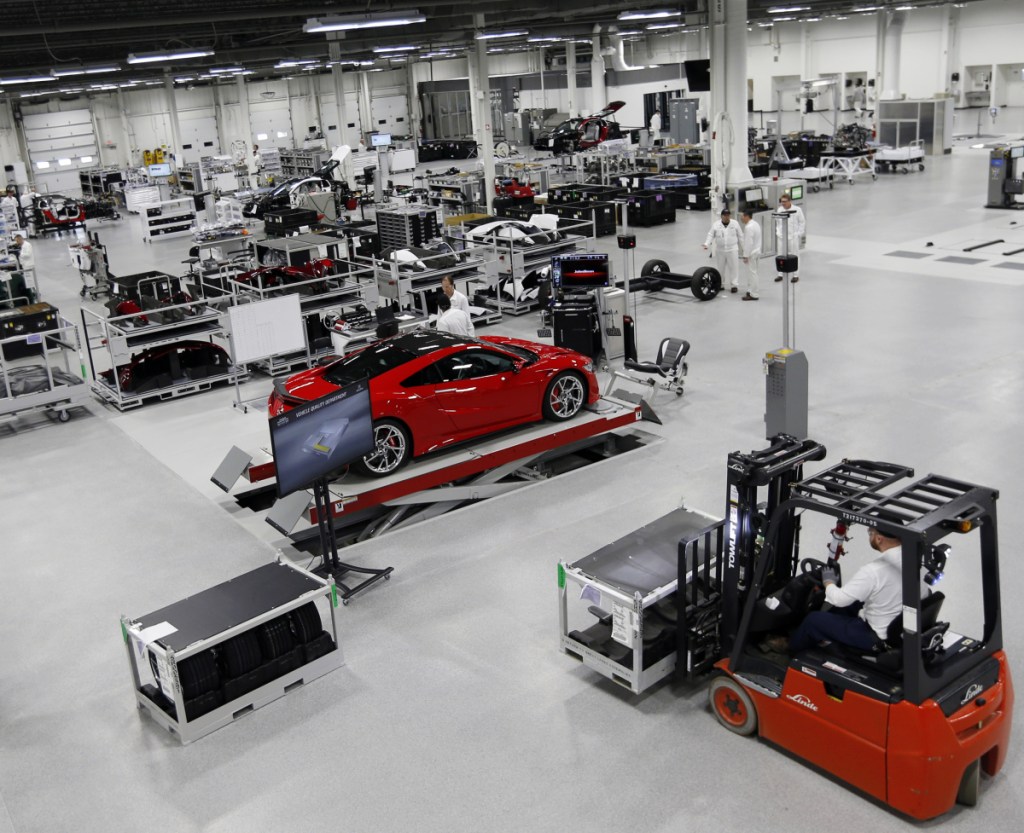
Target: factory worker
797,226
728,239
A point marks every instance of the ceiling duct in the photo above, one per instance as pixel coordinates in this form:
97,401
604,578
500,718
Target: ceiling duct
617,51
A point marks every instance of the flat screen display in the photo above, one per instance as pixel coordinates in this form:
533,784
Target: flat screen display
698,75
796,192
319,437
1017,153
754,195
163,169
580,271
380,140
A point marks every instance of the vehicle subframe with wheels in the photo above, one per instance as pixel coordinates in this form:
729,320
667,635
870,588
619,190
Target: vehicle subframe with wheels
705,283
911,723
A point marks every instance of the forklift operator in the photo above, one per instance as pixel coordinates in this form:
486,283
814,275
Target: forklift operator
862,608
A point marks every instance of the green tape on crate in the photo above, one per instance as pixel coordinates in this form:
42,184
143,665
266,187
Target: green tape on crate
561,575
124,632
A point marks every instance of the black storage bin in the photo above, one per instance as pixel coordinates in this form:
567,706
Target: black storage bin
693,199
287,220
648,208
565,194
703,173
601,193
25,322
602,214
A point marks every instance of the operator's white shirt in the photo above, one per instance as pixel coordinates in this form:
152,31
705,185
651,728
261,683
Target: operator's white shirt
26,256
460,301
751,239
879,585
455,321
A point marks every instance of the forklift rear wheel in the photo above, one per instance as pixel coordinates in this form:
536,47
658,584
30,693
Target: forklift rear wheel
705,283
732,706
968,792
653,267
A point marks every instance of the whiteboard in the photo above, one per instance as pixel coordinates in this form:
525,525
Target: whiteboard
266,328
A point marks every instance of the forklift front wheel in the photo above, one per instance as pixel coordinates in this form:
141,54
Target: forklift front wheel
732,706
967,795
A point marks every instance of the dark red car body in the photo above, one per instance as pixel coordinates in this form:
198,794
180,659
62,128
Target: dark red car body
415,380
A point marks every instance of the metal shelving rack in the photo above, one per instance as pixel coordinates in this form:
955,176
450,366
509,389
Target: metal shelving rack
112,342
298,162
170,218
349,285
408,225
458,194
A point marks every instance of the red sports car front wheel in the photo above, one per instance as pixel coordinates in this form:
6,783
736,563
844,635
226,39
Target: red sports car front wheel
564,396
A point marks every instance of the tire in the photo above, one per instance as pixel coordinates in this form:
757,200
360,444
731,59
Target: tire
564,396
393,449
653,267
276,638
967,795
306,624
242,654
815,188
63,416
732,706
705,283
198,675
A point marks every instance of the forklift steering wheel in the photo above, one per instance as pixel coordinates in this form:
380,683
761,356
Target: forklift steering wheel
812,565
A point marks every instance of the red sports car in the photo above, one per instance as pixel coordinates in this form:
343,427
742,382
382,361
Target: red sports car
429,390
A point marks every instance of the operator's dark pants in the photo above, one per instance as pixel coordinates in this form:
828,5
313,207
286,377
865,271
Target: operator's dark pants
841,624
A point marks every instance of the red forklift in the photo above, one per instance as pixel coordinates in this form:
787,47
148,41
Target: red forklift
913,722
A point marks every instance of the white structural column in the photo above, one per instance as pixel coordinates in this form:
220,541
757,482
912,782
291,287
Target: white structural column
598,90
129,136
243,112
729,158
338,84
413,96
365,111
891,57
483,114
949,59
570,78
172,114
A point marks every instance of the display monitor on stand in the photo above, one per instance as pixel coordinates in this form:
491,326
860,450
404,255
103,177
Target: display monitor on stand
580,272
310,443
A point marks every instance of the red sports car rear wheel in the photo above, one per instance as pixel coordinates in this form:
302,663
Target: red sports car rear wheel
393,449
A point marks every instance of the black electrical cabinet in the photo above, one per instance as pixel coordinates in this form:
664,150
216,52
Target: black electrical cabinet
575,325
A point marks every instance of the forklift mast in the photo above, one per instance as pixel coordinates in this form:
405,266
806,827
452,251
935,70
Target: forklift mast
775,468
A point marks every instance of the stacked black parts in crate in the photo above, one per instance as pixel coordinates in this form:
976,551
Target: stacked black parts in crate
407,225
245,662
286,221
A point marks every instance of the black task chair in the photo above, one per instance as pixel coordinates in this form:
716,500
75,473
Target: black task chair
665,372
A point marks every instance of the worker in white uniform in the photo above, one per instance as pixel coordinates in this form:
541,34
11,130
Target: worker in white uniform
751,252
26,259
458,300
796,227
728,240
9,201
28,213
255,167
453,320
655,127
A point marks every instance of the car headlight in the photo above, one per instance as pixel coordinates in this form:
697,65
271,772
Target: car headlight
589,367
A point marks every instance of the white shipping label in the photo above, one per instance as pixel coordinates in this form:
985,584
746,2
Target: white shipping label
623,623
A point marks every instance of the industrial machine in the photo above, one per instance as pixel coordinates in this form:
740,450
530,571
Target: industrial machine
914,721
1006,177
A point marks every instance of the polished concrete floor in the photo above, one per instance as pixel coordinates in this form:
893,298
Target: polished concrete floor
456,711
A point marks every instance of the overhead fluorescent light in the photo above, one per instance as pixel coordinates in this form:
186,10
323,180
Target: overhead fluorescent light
42,165
788,9
545,39
374,20
64,162
394,48
167,57
281,134
85,160
286,64
653,14
495,35
261,136
65,72
653,27
862,9
26,79
232,70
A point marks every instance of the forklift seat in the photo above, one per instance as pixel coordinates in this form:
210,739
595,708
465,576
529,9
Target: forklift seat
930,607
888,653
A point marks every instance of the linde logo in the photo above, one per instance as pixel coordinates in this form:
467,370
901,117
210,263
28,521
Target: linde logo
802,700
972,691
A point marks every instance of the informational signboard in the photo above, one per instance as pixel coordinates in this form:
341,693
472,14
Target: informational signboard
266,328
